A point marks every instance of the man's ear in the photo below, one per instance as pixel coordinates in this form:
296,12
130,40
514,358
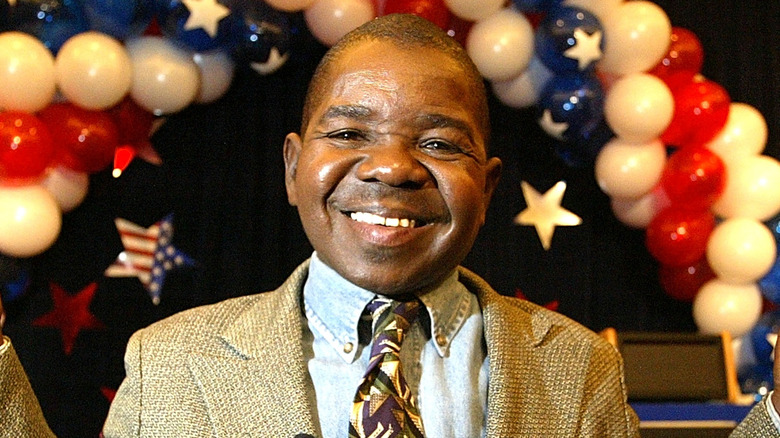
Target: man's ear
292,150
492,175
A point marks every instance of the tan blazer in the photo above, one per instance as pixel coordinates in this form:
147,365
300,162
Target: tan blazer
237,368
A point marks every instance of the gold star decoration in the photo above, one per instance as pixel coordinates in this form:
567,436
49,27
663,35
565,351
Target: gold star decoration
205,14
544,212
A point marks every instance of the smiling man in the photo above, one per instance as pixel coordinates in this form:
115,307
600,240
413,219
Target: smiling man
392,180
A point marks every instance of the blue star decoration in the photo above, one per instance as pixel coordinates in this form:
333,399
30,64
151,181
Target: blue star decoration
149,254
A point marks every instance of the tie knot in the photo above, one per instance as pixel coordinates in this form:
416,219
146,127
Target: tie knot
393,316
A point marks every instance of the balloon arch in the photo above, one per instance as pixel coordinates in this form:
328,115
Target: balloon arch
82,83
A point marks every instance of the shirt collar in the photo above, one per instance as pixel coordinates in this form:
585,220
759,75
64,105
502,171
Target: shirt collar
334,307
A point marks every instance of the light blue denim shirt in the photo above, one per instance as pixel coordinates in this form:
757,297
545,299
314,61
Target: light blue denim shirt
445,364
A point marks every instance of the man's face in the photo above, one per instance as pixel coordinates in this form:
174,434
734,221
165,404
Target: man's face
390,177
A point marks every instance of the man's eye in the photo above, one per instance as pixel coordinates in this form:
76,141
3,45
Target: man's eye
440,146
345,135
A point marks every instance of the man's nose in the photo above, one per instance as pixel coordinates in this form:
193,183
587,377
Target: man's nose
395,164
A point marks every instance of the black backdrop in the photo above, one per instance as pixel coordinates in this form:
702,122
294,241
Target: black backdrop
222,178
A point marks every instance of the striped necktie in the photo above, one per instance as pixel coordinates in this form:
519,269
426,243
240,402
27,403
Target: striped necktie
384,406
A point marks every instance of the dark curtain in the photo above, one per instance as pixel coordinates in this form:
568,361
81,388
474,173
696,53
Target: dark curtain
222,178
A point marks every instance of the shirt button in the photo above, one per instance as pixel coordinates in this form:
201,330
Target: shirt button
348,347
441,340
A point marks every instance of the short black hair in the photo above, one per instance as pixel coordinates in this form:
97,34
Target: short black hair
405,31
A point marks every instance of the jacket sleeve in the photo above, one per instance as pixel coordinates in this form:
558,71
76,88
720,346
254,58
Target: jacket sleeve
758,423
124,415
605,396
21,413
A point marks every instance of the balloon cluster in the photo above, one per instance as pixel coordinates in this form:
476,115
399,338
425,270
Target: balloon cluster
622,89
83,81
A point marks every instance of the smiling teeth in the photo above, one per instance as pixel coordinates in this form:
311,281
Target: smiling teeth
373,219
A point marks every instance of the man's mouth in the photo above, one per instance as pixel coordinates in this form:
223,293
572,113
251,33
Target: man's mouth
393,222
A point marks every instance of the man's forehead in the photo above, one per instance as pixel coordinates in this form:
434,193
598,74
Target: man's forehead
366,54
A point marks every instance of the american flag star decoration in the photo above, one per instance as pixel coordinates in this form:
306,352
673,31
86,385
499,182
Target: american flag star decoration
149,254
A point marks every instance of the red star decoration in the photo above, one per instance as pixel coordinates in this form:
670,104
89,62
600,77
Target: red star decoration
108,393
552,305
70,314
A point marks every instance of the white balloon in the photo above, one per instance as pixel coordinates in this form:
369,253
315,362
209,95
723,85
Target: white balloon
329,20
523,91
629,170
599,8
68,187
501,45
720,306
27,79
639,107
474,10
165,78
639,212
741,250
752,188
93,70
216,74
30,220
637,37
290,5
745,133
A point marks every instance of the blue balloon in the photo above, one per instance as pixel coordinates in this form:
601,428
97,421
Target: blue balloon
758,373
535,5
582,152
175,22
262,30
774,226
569,39
14,279
770,283
121,19
51,21
577,101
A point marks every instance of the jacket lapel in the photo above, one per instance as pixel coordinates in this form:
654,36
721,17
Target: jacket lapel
260,386
518,401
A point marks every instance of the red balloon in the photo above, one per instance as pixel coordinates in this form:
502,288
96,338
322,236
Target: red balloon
133,122
25,146
682,61
434,11
694,178
678,237
683,282
84,139
701,108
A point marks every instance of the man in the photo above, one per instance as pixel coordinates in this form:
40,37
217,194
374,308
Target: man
392,179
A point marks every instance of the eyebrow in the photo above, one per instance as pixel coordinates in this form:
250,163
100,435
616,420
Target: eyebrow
434,120
359,112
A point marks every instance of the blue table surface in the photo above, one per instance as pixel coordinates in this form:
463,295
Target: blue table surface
690,411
